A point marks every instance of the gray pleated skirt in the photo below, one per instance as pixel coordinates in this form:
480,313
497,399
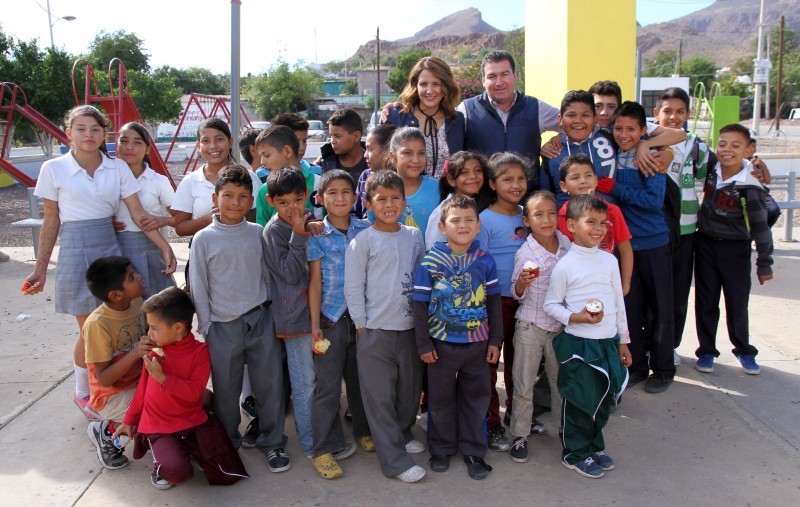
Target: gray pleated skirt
82,242
146,259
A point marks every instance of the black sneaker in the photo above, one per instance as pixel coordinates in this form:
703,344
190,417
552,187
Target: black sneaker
477,468
251,434
657,383
439,463
249,407
507,418
497,439
519,450
278,460
348,415
635,377
108,454
537,428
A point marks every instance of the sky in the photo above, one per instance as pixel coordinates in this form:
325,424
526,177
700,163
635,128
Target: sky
189,33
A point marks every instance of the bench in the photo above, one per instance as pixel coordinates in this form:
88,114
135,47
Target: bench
787,184
34,223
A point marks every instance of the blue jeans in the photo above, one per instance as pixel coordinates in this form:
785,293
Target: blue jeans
301,374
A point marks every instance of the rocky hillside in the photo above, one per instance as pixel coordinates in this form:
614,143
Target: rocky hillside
462,23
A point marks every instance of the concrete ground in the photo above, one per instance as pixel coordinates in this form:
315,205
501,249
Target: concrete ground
718,439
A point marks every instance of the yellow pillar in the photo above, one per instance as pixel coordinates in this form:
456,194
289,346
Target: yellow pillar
570,44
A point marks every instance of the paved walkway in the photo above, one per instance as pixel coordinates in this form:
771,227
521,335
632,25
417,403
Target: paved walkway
723,438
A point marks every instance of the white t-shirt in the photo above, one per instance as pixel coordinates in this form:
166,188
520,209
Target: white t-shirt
156,195
194,193
84,197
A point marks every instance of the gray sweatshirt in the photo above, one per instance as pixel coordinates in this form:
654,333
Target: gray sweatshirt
379,277
288,274
228,275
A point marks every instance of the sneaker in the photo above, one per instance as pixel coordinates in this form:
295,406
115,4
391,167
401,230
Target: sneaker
415,447
278,460
657,383
439,463
413,474
158,482
83,404
346,451
635,377
249,407
422,422
497,439
749,365
519,450
587,468
603,460
110,457
327,467
251,434
676,358
477,468
537,428
367,443
705,363
348,415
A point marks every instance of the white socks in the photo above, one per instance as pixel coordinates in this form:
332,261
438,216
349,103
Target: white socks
246,389
81,381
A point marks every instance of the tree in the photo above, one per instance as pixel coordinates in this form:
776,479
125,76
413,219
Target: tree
120,44
157,99
515,44
350,87
661,65
398,77
697,68
469,80
195,79
282,90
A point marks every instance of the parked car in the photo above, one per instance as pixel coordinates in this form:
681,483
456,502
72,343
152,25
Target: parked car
260,124
317,130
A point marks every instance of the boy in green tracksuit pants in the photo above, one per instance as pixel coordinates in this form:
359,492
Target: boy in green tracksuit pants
585,295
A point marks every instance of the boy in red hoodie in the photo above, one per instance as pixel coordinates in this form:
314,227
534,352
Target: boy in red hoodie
166,414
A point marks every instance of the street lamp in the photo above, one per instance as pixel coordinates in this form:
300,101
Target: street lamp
52,22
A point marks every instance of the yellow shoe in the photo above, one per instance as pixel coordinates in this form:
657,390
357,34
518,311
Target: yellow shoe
327,466
367,444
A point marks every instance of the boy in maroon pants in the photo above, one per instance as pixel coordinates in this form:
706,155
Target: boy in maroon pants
166,414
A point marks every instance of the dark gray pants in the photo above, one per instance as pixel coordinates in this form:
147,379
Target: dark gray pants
339,361
390,373
249,339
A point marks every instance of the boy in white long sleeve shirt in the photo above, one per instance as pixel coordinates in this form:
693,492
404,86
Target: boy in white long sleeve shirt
592,351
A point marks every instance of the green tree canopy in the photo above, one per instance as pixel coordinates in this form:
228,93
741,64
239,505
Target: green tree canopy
157,99
120,44
697,68
398,77
515,44
195,79
283,90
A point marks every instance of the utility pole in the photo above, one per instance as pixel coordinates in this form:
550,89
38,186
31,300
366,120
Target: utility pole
759,56
778,107
769,75
236,6
377,71
679,61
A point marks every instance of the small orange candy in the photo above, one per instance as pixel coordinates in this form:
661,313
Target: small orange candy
26,287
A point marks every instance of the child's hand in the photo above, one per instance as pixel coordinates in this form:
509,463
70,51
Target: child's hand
170,261
125,429
663,159
315,227
626,287
154,369
645,161
34,284
118,226
584,317
298,218
429,357
148,222
625,355
552,148
493,354
144,347
764,278
320,344
360,331
525,278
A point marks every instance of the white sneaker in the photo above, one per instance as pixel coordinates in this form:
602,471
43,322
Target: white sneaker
422,422
413,474
415,447
676,358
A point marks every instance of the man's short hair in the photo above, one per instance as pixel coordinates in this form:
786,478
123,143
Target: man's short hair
292,120
279,136
285,181
236,174
106,274
497,56
384,179
171,305
329,177
574,96
578,158
458,201
348,119
580,204
247,139
675,93
630,109
607,88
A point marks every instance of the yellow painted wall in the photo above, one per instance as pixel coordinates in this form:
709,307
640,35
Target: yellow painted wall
570,44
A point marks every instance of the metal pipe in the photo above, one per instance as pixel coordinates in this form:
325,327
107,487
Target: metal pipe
236,6
759,54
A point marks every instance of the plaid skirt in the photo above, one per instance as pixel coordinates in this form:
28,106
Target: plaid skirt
146,260
82,242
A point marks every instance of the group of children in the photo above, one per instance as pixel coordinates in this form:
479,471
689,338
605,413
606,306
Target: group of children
409,288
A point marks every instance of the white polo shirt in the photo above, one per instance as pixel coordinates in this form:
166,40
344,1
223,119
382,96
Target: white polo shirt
84,197
194,193
155,193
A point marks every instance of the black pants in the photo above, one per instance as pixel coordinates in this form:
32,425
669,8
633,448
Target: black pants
649,309
722,266
682,271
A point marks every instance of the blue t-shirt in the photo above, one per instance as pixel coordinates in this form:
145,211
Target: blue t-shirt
420,205
601,151
455,288
501,236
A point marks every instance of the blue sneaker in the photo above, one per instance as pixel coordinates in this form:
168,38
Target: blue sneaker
749,364
603,460
587,468
705,363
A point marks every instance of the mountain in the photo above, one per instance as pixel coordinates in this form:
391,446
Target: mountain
723,31
461,23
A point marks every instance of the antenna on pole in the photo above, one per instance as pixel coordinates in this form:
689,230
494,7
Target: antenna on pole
377,72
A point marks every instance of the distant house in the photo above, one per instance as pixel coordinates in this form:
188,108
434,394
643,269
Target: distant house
366,81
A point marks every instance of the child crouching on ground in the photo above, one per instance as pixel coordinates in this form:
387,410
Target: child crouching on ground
585,295
166,414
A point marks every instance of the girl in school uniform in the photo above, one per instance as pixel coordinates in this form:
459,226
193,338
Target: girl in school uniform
81,192
155,194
